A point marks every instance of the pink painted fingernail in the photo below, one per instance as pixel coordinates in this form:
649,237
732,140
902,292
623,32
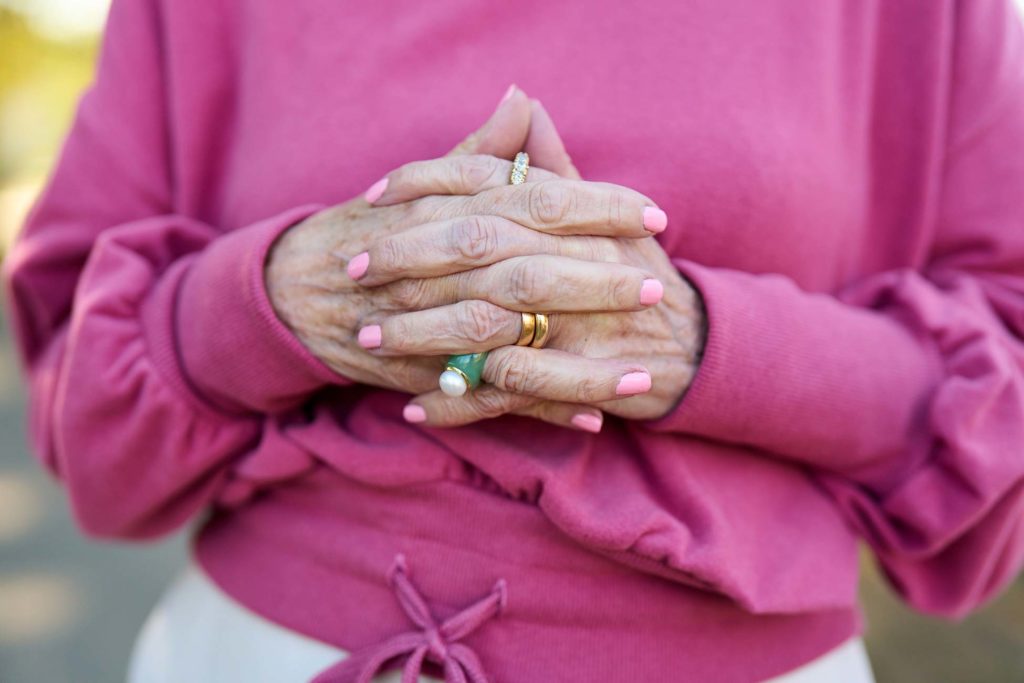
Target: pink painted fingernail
587,422
655,219
508,93
361,262
369,337
651,292
633,383
377,189
414,413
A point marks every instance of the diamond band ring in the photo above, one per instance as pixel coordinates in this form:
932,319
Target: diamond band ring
520,167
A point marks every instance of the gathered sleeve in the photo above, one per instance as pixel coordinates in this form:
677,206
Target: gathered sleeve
153,358
903,392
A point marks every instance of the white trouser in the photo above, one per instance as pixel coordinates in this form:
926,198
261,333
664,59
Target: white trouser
197,633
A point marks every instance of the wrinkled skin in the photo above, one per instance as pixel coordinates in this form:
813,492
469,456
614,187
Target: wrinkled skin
455,252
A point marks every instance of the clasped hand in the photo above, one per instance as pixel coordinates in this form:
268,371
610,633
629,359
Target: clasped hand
448,254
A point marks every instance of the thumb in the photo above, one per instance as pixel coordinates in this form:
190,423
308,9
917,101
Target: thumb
545,146
504,134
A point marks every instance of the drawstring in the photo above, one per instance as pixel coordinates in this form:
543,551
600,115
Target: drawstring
438,643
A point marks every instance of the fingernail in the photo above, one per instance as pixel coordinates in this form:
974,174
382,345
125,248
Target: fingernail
633,383
369,337
377,189
651,292
414,413
508,93
360,263
587,422
655,219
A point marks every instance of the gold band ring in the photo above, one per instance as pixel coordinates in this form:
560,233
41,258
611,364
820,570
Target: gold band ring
529,325
540,336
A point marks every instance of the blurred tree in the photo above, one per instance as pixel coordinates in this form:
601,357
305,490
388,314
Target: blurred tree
41,79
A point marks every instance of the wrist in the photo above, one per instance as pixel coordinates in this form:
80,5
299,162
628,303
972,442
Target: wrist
233,348
678,365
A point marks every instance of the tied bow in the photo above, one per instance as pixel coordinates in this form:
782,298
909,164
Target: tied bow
438,643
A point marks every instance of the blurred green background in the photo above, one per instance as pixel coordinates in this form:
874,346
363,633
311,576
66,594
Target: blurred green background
69,608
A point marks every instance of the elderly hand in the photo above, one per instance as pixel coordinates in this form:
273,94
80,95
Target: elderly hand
666,340
447,259
659,346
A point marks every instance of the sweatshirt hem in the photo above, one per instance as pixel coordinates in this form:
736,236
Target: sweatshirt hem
569,611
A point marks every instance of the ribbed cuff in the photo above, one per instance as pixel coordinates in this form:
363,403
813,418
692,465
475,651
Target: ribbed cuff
234,348
803,375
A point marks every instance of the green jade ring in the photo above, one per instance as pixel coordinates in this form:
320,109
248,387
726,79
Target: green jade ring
462,373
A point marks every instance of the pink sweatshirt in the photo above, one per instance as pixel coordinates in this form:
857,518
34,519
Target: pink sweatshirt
845,187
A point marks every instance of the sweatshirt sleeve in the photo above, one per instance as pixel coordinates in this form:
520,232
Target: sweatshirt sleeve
903,393
153,358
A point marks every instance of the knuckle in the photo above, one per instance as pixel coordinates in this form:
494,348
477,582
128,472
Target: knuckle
407,294
420,173
473,171
525,282
405,174
620,290
616,211
512,373
446,412
491,403
389,254
426,210
479,321
397,330
541,411
601,249
550,203
586,389
403,373
473,239
414,177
